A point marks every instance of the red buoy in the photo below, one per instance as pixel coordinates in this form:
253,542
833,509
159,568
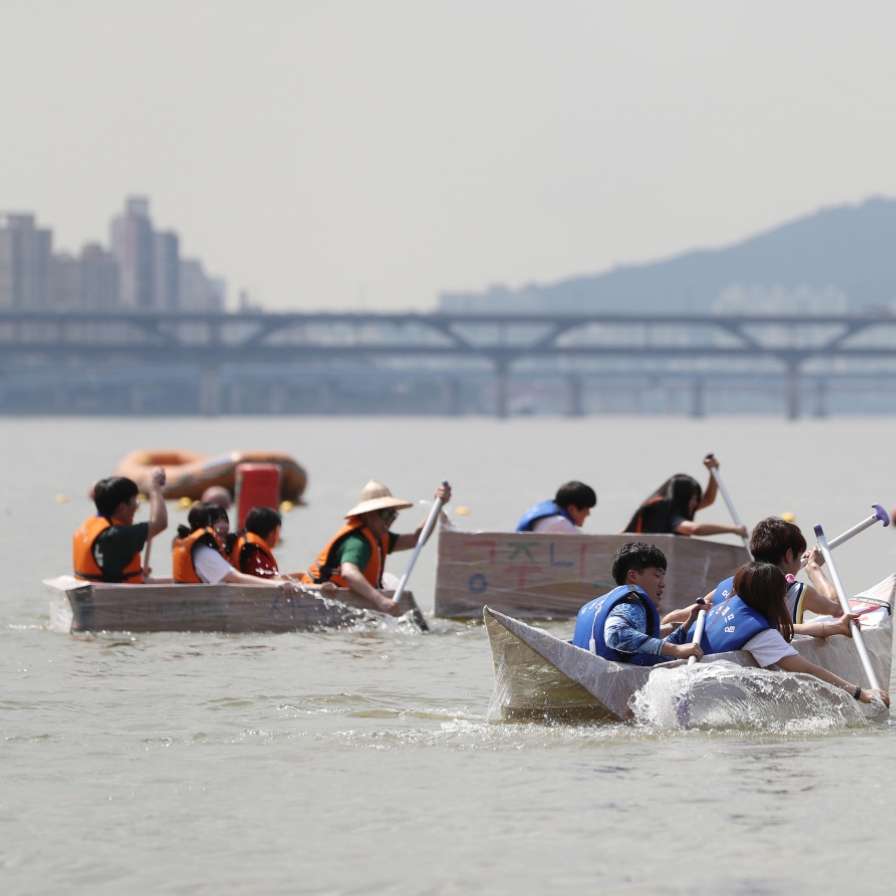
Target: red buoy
257,485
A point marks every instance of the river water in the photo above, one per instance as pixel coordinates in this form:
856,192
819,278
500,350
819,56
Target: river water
364,762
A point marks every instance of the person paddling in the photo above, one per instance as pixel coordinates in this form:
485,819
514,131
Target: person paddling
671,508
624,625
756,618
564,515
106,547
355,556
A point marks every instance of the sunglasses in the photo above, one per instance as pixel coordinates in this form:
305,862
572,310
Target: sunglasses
389,515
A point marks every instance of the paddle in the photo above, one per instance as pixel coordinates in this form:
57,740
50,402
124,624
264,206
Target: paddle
424,536
698,633
727,498
844,601
880,515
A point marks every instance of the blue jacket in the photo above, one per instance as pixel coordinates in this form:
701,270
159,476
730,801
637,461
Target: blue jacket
593,616
729,624
539,512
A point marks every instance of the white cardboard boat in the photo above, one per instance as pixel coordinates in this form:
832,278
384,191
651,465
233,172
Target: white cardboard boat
540,675
79,606
543,576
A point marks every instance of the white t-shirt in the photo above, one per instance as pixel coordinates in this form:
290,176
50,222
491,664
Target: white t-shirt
768,647
210,566
556,525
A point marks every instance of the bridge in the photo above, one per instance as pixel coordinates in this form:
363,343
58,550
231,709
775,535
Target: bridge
779,353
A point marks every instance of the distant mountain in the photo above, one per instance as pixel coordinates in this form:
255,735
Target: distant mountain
837,259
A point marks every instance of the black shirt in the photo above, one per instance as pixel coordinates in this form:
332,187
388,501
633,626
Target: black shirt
115,546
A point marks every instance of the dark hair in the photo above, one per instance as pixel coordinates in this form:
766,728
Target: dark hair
202,516
638,556
772,538
763,587
109,493
671,499
261,521
576,494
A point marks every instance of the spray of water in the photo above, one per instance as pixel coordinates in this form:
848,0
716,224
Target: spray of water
725,696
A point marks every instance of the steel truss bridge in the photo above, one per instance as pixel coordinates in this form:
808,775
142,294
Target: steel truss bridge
701,350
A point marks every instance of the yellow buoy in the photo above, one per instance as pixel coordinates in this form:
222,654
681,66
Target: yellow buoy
462,511
141,498
787,516
62,498
184,503
286,506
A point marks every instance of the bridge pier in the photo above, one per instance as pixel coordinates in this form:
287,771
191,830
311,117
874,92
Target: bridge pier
501,387
452,389
210,391
277,399
793,391
576,404
137,400
698,398
821,398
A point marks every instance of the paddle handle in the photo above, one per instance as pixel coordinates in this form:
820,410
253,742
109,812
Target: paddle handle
146,553
424,536
731,508
698,634
844,605
880,515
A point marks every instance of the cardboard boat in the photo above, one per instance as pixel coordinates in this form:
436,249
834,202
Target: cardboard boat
543,576
79,606
188,475
539,675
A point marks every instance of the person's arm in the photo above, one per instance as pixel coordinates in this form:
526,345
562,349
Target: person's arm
360,586
677,617
683,618
406,542
797,663
819,629
821,595
235,577
689,527
709,494
158,512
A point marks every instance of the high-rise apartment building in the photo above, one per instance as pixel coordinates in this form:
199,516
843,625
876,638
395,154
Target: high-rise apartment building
99,283
26,263
166,271
132,246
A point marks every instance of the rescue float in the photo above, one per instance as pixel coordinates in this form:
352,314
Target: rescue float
538,675
79,606
188,474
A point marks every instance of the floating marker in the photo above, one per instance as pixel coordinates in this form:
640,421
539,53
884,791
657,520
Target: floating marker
62,498
184,503
462,511
787,516
286,506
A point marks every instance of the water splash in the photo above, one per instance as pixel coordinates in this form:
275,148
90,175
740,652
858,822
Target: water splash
725,696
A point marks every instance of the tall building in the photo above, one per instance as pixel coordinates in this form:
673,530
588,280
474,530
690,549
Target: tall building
199,293
133,244
166,271
26,263
66,291
99,281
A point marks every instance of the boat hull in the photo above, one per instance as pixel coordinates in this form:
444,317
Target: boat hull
534,576
78,606
540,675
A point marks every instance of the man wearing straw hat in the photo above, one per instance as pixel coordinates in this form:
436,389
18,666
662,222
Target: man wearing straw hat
355,556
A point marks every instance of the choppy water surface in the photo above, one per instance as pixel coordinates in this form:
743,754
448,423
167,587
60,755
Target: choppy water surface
363,762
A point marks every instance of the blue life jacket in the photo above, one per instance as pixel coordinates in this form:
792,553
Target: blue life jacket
796,592
729,625
593,616
539,512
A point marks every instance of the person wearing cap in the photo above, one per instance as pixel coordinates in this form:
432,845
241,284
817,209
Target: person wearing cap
355,556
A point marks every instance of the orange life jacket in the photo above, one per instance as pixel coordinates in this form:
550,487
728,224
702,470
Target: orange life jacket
182,569
325,571
84,561
244,539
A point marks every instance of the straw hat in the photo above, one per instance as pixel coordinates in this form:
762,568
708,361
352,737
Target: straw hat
375,496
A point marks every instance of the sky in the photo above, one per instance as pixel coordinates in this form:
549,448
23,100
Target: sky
371,155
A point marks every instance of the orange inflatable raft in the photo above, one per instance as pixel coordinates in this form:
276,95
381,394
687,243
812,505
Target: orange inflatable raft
188,474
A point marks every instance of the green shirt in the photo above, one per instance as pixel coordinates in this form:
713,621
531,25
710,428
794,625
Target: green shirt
356,549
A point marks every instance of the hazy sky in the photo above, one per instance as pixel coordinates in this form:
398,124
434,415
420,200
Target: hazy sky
372,154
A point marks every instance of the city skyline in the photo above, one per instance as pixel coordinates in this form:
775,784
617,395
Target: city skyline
349,155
